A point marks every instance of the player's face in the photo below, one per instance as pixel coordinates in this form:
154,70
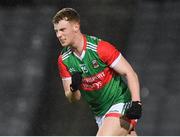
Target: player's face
65,32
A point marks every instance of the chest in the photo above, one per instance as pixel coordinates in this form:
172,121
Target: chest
89,64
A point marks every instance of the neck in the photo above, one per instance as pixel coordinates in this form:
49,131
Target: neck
78,44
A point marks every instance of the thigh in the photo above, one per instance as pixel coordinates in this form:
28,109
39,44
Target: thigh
114,126
132,133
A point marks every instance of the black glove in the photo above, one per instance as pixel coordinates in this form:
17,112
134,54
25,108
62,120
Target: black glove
76,81
135,111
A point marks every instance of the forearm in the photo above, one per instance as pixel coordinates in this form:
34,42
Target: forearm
135,110
133,84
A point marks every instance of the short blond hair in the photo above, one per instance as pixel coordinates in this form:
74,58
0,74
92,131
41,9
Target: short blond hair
68,14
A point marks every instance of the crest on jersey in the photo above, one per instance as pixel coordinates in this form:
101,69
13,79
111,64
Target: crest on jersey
95,64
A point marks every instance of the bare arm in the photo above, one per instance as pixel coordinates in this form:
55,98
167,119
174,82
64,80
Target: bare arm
124,68
71,96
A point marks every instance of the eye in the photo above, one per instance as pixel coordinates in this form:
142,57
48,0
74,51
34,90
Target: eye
63,29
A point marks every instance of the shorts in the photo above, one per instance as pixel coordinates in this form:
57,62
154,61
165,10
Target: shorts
116,110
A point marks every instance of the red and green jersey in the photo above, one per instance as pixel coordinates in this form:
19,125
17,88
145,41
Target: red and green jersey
101,85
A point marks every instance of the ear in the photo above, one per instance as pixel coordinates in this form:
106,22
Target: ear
76,27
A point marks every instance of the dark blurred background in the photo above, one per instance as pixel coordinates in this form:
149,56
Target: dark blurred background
32,100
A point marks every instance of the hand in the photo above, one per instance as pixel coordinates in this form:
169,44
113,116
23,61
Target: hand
135,111
76,81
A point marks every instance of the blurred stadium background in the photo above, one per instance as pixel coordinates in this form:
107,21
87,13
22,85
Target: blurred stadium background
32,101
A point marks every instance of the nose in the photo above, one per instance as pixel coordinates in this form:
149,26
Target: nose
59,34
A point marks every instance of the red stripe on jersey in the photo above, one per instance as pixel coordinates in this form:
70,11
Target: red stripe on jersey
97,81
113,115
107,52
63,70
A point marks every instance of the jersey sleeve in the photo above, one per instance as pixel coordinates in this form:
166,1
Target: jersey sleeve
63,71
108,53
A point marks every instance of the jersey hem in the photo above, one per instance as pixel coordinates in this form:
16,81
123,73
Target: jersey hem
115,61
66,78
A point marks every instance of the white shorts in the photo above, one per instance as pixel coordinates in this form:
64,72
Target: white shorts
116,110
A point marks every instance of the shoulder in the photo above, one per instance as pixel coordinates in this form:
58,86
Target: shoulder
107,52
104,46
65,53
92,40
97,42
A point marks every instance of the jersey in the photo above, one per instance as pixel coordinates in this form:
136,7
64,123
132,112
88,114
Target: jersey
101,85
